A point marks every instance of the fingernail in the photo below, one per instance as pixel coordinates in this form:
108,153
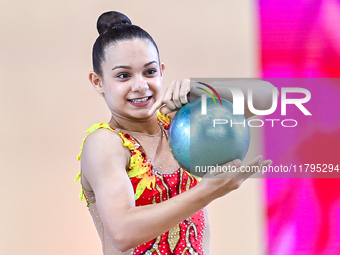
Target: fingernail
237,162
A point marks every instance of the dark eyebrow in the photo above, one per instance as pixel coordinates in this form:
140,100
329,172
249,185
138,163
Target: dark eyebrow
147,64
129,67
125,67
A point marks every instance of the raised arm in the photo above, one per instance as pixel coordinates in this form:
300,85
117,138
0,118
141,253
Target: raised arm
103,164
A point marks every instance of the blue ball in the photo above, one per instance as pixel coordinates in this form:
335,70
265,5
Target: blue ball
198,145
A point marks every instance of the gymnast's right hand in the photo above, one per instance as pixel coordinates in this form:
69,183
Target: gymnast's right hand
173,98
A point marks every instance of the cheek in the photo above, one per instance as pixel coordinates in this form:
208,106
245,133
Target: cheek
158,90
119,89
159,85
115,94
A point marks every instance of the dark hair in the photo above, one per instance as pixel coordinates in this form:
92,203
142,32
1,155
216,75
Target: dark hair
114,27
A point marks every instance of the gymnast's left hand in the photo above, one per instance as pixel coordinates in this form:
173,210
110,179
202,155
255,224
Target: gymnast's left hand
173,98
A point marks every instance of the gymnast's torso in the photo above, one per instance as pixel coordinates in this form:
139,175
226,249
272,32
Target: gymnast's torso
156,177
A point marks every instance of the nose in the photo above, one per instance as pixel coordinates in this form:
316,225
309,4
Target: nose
139,85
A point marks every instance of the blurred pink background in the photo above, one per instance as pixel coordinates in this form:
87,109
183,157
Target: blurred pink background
47,103
301,39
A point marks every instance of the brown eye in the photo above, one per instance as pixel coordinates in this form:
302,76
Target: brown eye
150,71
123,75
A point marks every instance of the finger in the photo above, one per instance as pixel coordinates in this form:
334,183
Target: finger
255,161
176,93
266,162
231,165
184,90
167,99
235,165
252,167
235,162
165,110
155,106
244,173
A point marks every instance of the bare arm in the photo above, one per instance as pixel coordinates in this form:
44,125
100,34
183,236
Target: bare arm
104,161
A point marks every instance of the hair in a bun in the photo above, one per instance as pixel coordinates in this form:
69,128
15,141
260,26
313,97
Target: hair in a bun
114,27
110,20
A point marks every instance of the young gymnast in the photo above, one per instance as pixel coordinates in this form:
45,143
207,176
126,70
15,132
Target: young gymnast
140,199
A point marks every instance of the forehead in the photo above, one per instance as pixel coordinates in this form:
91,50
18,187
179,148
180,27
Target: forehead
130,52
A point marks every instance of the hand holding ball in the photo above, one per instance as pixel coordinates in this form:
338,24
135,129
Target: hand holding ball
200,141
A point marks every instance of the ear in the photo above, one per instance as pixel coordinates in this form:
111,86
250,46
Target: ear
96,81
162,67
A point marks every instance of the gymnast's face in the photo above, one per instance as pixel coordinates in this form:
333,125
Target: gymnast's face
131,78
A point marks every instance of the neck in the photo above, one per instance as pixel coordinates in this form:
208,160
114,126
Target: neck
147,126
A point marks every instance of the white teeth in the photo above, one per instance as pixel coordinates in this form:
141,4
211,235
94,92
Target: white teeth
139,100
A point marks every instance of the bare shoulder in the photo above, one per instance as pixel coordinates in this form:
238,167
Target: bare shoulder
103,157
102,138
102,143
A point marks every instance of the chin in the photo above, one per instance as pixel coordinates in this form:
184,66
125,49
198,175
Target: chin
140,114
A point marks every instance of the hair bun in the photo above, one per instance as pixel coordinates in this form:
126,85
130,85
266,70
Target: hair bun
111,19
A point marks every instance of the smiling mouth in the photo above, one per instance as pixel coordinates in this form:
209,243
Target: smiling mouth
139,100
